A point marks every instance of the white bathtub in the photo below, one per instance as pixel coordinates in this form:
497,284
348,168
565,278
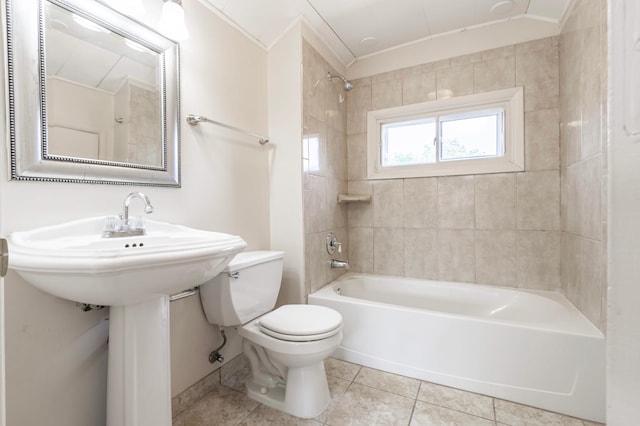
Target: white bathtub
531,347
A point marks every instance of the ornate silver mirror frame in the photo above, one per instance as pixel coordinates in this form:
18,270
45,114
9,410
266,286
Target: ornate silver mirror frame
27,109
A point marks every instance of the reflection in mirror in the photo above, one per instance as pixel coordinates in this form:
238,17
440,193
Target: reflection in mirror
101,103
103,96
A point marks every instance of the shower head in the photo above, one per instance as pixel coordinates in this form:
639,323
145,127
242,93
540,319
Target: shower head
347,84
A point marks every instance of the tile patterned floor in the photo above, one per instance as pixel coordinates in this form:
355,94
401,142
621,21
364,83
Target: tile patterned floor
364,396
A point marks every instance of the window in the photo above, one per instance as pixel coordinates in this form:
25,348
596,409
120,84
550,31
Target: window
473,134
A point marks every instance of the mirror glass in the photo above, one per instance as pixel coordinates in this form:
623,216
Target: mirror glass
103,92
107,110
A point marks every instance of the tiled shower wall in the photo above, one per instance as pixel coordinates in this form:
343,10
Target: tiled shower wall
583,106
498,229
324,167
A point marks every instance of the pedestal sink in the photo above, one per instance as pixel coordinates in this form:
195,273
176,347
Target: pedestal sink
135,276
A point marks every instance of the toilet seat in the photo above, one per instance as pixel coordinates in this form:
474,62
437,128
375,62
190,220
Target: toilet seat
301,323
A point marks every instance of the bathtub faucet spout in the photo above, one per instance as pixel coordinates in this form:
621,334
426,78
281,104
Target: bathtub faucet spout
339,264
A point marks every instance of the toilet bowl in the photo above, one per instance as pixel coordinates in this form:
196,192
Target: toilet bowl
286,347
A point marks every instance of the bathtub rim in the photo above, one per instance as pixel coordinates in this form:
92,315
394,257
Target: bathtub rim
590,331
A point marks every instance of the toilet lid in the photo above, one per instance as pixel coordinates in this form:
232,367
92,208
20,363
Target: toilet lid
301,322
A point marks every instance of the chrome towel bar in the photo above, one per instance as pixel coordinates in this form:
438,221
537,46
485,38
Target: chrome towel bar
195,119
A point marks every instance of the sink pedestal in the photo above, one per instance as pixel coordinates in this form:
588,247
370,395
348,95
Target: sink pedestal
139,372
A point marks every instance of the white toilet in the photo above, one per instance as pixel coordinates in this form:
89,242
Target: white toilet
285,347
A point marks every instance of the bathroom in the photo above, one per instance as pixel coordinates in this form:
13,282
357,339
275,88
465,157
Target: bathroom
577,197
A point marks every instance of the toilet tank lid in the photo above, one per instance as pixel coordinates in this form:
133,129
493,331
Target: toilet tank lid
250,258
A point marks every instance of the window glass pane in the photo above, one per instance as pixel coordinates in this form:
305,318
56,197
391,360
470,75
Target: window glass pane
408,142
472,135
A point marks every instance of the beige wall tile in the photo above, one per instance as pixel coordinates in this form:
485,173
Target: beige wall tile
542,140
388,251
494,74
456,255
543,44
455,81
386,94
336,154
498,53
421,253
358,104
316,206
357,156
456,202
593,282
388,206
496,258
496,201
571,265
590,175
539,200
538,72
419,88
315,264
361,250
571,192
420,203
539,260
466,59
360,214
336,213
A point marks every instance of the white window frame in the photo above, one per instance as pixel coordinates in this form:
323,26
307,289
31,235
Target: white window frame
511,100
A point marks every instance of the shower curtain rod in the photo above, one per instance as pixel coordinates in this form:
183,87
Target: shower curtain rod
195,119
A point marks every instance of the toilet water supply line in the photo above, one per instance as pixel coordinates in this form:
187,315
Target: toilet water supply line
215,355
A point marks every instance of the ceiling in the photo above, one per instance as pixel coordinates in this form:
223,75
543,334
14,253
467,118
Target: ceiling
359,28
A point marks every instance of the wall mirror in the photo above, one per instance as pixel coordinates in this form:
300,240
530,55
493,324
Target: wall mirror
93,95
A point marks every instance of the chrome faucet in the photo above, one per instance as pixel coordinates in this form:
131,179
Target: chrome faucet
148,208
333,244
122,226
339,264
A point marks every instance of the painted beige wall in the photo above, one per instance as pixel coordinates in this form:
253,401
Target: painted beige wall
285,124
55,354
583,144
497,229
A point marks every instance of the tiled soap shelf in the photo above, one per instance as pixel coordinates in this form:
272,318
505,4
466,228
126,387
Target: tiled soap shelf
354,198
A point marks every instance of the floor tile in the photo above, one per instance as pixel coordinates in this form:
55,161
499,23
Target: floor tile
393,383
341,369
337,388
362,405
433,415
264,416
510,413
221,407
455,399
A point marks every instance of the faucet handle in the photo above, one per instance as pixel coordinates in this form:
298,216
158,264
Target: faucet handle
332,243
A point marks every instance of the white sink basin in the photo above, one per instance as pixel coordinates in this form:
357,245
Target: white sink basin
134,275
74,262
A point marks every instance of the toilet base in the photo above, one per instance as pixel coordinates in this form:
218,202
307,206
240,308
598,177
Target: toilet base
306,393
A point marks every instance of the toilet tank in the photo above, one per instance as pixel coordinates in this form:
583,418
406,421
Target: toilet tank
247,288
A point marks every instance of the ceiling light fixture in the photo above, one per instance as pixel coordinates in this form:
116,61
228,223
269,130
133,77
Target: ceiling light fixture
172,23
